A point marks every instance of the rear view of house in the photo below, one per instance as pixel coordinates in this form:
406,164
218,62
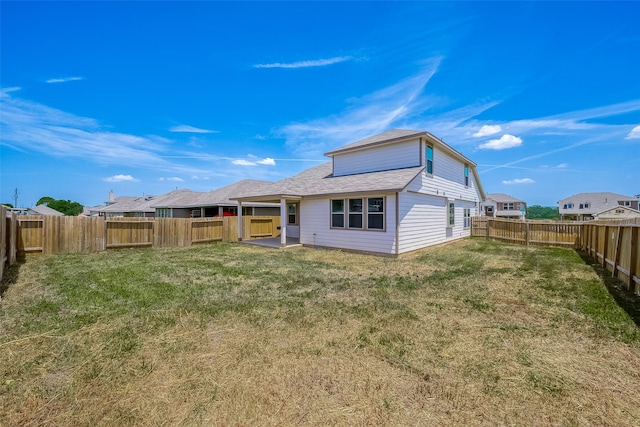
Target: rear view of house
500,205
390,193
587,206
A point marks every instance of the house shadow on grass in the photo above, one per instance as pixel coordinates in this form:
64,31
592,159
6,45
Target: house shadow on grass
627,300
10,276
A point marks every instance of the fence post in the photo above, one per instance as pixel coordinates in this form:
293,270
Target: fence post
605,247
526,233
616,253
633,257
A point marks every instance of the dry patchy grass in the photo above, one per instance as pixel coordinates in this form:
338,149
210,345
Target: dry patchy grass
470,333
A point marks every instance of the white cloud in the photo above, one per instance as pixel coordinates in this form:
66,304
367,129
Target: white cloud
242,162
267,161
505,141
519,181
172,179
562,166
198,178
5,91
305,64
65,79
190,129
121,178
487,130
634,134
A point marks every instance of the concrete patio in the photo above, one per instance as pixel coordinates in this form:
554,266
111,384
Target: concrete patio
274,242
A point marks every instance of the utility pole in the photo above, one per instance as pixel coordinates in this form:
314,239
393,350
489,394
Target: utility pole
15,197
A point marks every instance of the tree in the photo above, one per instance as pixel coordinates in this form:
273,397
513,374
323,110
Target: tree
66,207
542,212
9,205
45,201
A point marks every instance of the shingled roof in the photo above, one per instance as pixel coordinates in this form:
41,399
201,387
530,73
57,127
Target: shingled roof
319,180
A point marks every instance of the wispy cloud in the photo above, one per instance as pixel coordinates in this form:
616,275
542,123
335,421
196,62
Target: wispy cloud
65,79
392,106
268,161
505,141
121,178
634,134
519,181
488,130
172,179
306,64
190,129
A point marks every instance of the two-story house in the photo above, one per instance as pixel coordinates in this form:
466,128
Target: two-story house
500,205
390,193
587,206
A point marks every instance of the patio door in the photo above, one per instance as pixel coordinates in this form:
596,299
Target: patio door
293,220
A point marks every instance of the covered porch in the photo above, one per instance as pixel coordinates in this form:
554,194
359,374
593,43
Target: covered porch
289,219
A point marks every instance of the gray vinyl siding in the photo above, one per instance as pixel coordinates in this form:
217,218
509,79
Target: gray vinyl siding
266,211
315,228
395,156
447,179
424,220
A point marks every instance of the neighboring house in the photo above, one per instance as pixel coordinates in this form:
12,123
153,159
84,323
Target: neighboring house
500,205
43,210
137,207
216,203
585,206
391,193
618,213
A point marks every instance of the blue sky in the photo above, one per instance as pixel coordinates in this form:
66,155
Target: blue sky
145,97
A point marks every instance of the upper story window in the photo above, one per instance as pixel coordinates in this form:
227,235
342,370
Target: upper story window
627,203
568,206
466,175
508,206
366,213
429,159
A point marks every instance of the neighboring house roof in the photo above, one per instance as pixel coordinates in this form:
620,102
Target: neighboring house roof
503,198
140,204
45,210
219,197
613,212
598,202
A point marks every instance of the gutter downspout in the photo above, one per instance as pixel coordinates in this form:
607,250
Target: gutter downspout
397,223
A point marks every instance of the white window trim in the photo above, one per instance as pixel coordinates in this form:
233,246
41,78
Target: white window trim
364,213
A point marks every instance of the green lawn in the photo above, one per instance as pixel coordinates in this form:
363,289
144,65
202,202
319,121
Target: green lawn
470,333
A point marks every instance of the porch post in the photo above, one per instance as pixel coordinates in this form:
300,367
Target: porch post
239,221
283,222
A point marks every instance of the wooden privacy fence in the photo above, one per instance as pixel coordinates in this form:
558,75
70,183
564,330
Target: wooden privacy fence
66,234
614,245
547,233
8,239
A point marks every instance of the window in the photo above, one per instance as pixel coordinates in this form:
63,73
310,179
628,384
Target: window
507,206
429,159
247,211
587,205
627,203
452,215
162,213
292,214
363,213
569,205
337,213
489,209
355,213
581,206
375,213
466,175
467,218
